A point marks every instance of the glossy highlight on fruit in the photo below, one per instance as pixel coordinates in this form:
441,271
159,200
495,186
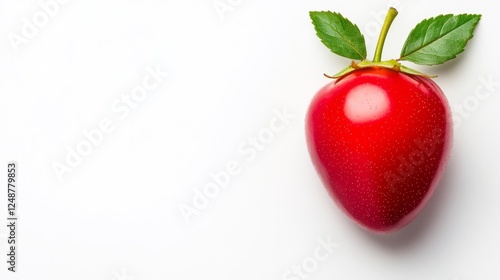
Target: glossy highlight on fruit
380,140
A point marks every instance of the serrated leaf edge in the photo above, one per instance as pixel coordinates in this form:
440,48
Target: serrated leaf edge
359,52
473,17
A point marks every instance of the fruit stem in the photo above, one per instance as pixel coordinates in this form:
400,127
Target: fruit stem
389,18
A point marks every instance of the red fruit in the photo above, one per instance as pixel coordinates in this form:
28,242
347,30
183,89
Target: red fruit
380,140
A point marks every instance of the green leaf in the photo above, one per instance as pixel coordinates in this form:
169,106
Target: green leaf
339,35
437,40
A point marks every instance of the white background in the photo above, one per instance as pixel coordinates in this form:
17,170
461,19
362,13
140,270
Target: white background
116,214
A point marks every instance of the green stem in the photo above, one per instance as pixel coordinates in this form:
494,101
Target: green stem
389,18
